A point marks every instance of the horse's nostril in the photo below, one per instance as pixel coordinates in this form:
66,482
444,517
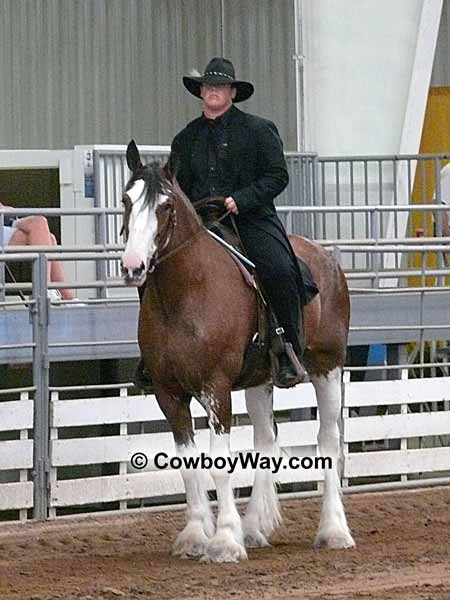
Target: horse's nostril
131,274
139,270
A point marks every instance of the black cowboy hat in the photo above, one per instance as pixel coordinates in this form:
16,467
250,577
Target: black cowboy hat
219,71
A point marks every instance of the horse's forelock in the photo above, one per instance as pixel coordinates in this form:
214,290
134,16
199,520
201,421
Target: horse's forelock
156,182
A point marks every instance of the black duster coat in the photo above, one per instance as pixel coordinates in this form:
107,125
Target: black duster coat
255,167
254,172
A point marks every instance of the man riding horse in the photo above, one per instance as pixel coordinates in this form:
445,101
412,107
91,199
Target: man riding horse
226,152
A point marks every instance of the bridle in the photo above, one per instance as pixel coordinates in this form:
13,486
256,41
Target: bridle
164,237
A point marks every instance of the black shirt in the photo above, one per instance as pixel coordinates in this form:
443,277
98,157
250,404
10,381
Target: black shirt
249,158
211,143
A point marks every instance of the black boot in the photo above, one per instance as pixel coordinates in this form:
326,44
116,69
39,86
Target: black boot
287,369
287,374
142,379
290,371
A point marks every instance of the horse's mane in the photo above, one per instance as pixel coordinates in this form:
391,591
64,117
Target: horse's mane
176,189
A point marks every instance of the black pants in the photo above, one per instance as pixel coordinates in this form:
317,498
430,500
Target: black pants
279,279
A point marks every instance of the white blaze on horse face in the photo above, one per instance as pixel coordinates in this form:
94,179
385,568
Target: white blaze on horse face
142,229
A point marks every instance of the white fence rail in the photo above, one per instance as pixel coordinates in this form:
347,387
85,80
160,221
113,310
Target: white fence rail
414,414
16,455
132,485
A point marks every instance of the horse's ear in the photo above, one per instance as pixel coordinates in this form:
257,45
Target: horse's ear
133,157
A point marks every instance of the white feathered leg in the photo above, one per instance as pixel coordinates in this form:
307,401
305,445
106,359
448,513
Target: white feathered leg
333,529
227,545
193,540
263,510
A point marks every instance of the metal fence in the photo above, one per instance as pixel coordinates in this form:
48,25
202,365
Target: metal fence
385,180
332,199
38,442
56,447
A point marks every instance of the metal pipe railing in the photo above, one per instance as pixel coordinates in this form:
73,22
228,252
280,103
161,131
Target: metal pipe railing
313,184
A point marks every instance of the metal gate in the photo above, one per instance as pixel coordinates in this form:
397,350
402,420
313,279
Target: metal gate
48,467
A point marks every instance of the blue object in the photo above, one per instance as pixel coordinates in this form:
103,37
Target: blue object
89,186
377,355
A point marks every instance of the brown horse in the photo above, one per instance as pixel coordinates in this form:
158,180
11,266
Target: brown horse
196,321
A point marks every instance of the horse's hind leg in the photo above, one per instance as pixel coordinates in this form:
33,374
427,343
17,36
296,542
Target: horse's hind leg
333,529
192,541
263,512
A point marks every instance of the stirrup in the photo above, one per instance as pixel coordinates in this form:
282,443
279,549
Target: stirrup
291,372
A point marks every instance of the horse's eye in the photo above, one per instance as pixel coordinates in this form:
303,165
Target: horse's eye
165,206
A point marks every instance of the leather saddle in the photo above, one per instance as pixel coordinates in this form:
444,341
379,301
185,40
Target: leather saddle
261,354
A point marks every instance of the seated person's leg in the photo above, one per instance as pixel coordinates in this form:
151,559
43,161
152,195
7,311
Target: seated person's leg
282,291
56,274
278,277
34,231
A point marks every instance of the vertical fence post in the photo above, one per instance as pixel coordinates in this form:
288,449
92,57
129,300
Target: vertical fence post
53,476
423,282
101,264
39,317
313,199
316,199
23,475
375,234
101,225
345,415
2,263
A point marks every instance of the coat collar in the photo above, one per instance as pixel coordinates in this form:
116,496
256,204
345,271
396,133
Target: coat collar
224,119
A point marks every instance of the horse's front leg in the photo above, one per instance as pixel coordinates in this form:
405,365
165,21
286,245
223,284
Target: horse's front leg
227,545
193,540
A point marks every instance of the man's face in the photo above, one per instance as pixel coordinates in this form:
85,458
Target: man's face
217,98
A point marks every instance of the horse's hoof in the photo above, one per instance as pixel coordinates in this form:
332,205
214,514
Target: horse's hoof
190,544
191,551
336,540
255,539
224,548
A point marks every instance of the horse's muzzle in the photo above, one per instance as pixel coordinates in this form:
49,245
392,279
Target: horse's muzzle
133,277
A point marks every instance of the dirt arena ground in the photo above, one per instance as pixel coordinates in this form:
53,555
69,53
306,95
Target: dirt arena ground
402,553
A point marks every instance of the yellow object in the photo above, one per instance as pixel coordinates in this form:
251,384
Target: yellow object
435,140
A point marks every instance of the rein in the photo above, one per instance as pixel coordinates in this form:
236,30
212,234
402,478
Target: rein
157,259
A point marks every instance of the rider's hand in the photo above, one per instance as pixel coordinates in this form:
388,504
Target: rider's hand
231,205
